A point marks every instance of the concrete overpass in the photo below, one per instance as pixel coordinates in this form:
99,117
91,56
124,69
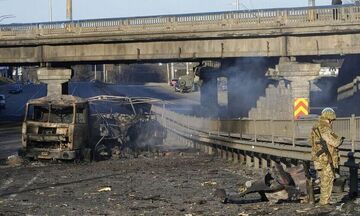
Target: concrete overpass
332,30
281,33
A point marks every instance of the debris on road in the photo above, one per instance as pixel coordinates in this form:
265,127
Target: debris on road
14,160
104,189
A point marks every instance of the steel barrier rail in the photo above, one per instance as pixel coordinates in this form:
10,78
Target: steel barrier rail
259,136
346,14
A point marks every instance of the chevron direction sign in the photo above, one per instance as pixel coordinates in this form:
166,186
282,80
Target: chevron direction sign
301,107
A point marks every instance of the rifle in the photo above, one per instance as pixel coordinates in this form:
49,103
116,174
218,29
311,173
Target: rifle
324,149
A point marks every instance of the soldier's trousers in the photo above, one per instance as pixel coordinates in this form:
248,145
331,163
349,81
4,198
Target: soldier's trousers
326,185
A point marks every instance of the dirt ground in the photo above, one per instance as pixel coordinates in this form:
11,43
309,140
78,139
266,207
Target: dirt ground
173,183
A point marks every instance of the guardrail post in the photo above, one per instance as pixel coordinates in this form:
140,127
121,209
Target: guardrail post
354,181
272,130
293,131
235,156
228,130
248,159
255,135
352,132
222,152
256,162
241,128
272,162
242,157
163,110
218,127
229,154
264,162
188,125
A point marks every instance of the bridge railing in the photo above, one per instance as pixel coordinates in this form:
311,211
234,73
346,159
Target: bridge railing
240,19
292,132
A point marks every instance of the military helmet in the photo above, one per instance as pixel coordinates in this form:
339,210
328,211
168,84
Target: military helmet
328,113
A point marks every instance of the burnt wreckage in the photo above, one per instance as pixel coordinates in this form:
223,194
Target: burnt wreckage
279,184
68,127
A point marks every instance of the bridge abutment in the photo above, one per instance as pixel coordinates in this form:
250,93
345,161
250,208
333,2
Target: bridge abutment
293,81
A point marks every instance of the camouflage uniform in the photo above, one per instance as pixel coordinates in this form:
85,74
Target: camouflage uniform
323,129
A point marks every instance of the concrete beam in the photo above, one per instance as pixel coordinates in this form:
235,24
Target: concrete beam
181,50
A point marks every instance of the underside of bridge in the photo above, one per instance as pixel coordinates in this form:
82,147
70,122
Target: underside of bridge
267,88
263,88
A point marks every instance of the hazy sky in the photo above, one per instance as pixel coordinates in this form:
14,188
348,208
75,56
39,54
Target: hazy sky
38,10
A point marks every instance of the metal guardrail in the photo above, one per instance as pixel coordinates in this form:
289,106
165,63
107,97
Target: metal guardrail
272,135
345,14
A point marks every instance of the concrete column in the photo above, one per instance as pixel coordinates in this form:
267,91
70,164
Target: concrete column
208,90
234,105
56,80
209,96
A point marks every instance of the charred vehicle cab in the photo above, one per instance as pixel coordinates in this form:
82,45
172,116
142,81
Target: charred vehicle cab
55,128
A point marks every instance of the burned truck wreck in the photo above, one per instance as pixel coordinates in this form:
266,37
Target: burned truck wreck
70,128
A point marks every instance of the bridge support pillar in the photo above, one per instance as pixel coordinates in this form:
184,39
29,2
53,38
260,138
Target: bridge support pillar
56,79
209,96
208,89
235,103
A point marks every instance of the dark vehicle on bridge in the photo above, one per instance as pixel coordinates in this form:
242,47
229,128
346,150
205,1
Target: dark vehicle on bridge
15,88
63,127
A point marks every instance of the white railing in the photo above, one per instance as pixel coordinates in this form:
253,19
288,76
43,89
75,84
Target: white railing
243,19
293,132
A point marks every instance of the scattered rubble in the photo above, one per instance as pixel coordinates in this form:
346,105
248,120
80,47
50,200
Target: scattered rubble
168,184
104,189
14,160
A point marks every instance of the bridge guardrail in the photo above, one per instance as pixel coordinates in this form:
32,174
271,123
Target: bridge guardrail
292,132
239,19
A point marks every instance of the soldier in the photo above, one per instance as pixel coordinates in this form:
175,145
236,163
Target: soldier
325,153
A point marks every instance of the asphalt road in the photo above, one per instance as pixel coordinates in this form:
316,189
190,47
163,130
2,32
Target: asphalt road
176,182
